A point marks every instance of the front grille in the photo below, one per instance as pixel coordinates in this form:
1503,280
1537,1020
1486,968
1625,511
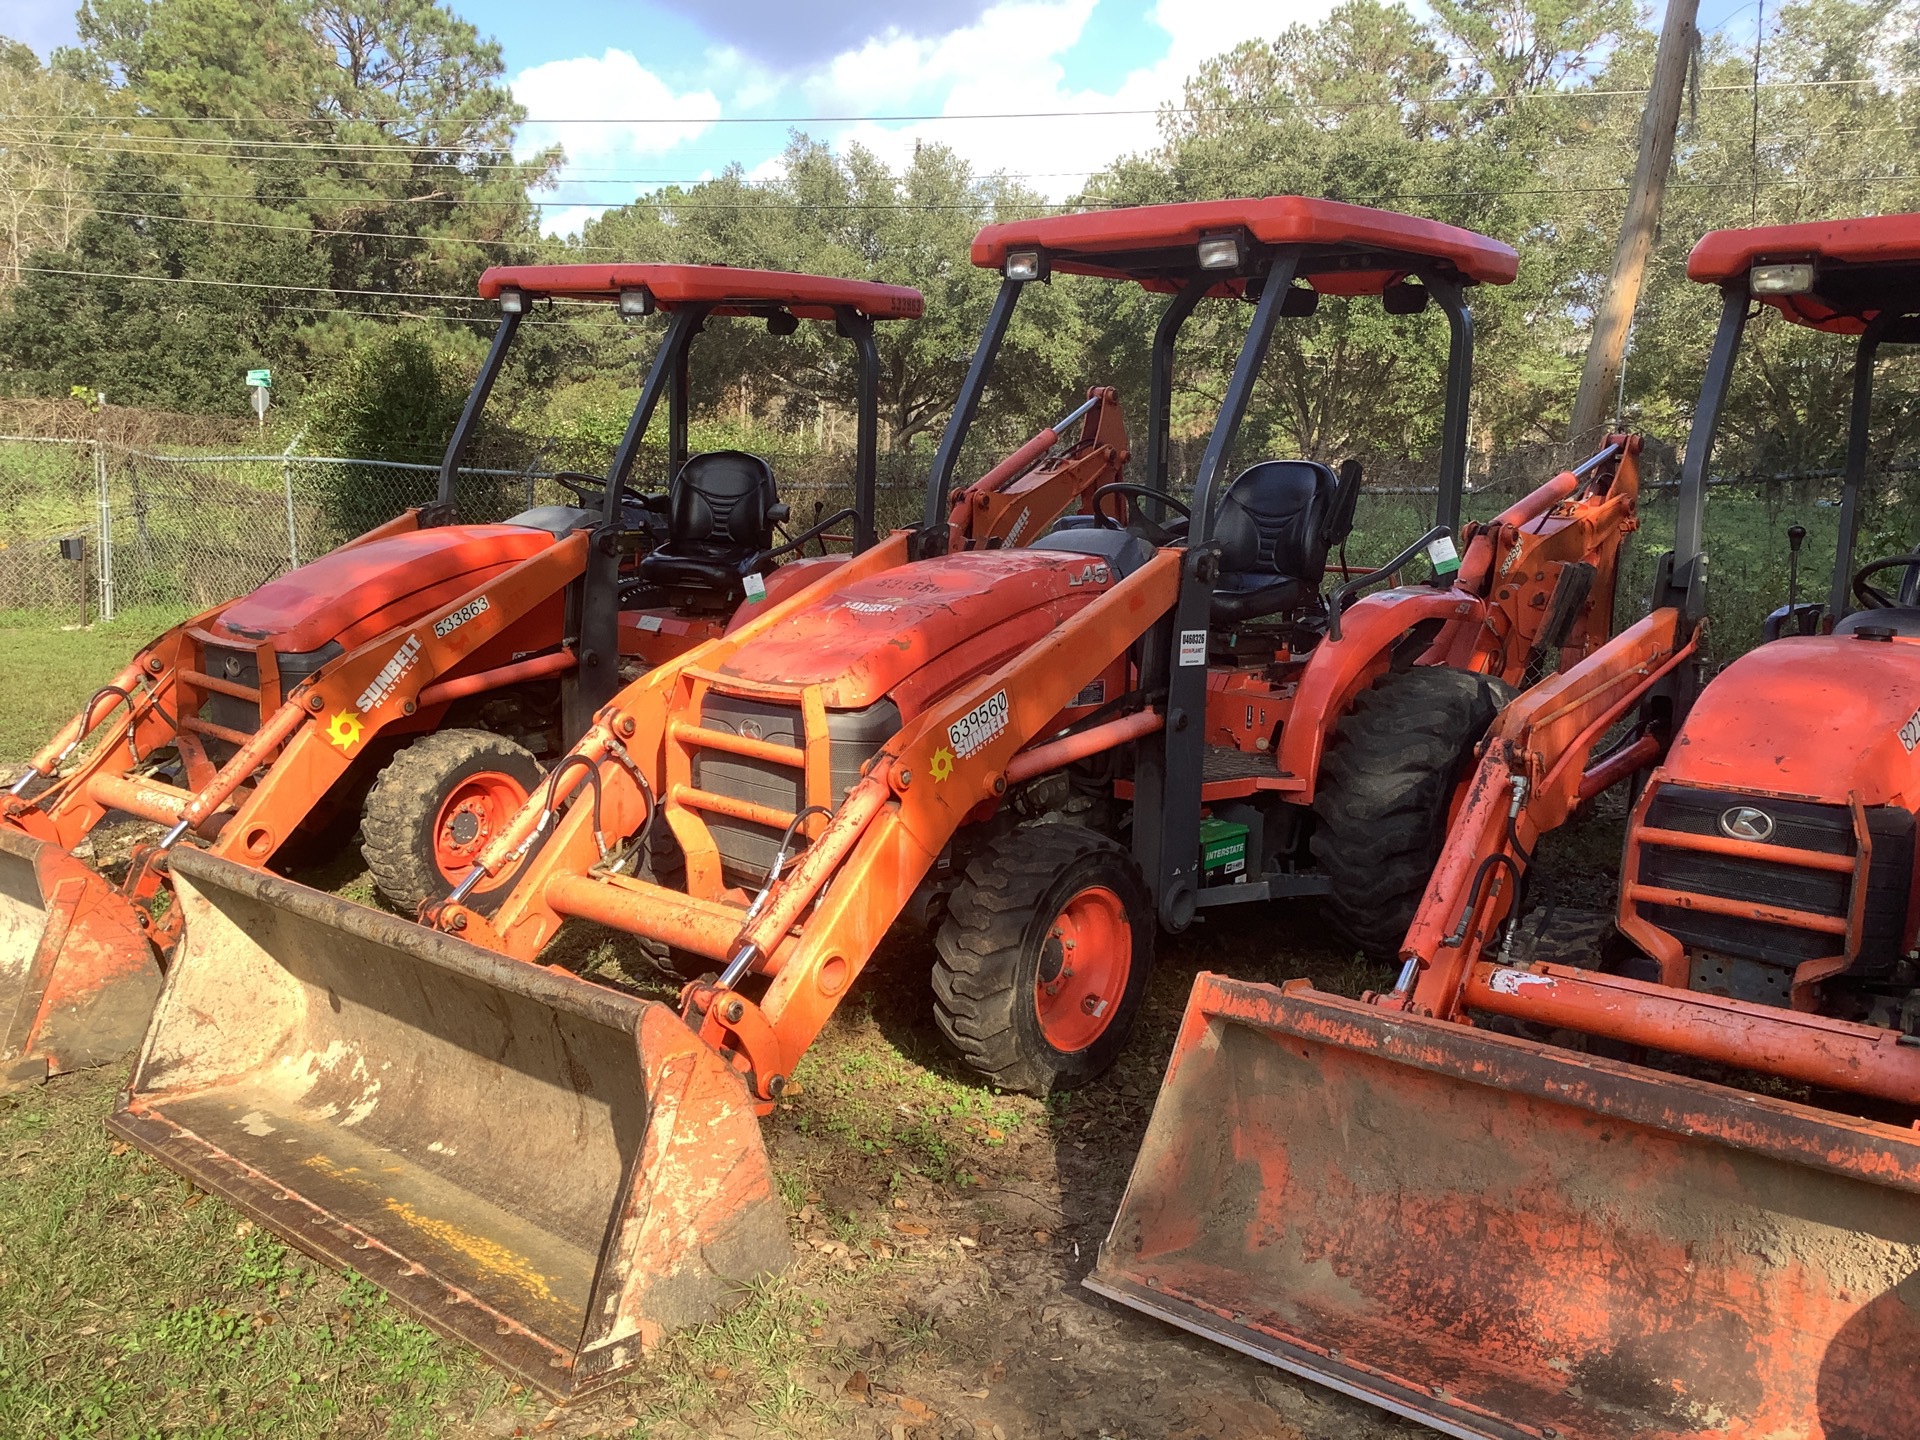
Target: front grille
1797,825
242,666
746,849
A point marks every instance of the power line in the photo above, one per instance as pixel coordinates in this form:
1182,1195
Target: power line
253,285
141,146
318,232
965,207
929,117
785,205
473,300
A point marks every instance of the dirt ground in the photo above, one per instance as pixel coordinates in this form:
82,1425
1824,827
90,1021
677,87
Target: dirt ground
945,1231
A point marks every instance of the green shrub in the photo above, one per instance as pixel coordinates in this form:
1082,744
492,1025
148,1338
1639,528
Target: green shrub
396,398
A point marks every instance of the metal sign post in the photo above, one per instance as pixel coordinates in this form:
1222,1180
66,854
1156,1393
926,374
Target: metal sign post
261,383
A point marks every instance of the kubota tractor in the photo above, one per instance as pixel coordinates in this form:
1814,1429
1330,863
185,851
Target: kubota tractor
1046,754
1658,1186
416,677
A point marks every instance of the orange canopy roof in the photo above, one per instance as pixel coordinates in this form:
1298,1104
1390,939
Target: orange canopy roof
1858,266
734,291
1154,243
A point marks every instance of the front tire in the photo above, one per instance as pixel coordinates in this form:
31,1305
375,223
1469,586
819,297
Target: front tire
1386,786
433,810
1043,958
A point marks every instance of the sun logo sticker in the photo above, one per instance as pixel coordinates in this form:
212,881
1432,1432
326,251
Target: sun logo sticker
344,729
941,766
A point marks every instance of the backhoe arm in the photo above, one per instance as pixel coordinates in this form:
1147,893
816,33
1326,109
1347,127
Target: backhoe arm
1020,498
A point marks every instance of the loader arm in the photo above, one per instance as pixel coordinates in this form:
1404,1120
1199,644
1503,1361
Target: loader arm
1532,773
127,720
281,771
65,812
809,937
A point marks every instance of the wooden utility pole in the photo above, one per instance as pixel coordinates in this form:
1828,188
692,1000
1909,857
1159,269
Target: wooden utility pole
1657,129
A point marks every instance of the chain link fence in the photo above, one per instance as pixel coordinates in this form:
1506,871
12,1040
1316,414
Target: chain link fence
107,512
91,527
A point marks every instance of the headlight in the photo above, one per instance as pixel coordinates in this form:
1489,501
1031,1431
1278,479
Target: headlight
1220,252
1780,279
512,301
1023,265
635,303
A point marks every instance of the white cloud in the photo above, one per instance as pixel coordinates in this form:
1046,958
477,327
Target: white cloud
607,158
1012,60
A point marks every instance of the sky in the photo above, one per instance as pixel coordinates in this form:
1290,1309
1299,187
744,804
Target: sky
644,94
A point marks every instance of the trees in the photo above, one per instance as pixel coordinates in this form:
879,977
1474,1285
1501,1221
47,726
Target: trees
1377,107
147,306
363,149
851,215
358,148
42,195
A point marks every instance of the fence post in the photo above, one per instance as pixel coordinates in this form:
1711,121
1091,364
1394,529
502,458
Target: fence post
105,493
286,479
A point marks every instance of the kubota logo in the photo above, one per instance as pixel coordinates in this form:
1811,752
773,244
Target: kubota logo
1743,822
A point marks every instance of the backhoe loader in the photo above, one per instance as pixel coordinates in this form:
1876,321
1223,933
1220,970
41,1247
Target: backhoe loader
1046,755
413,678
1658,1184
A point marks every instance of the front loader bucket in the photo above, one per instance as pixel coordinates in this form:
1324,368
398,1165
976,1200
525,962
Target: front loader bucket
1500,1238
553,1171
77,973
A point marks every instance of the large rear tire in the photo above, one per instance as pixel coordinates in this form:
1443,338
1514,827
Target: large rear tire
433,810
1386,784
1043,958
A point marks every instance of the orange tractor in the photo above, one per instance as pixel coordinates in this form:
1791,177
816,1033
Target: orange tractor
411,679
1657,1185
1046,755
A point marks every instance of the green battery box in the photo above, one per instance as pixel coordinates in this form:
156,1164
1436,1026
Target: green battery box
1223,852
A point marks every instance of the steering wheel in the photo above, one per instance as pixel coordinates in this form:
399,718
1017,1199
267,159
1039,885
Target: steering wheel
1872,596
1161,533
577,481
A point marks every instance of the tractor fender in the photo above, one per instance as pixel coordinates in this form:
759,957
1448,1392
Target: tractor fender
1341,669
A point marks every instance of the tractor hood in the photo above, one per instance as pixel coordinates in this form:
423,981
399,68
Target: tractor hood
915,632
354,594
1816,717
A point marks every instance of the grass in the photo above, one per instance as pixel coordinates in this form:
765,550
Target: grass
47,673
138,1307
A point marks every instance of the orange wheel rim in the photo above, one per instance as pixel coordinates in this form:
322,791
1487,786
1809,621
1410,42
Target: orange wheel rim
1086,958
471,815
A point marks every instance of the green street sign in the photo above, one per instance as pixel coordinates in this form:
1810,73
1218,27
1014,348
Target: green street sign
261,379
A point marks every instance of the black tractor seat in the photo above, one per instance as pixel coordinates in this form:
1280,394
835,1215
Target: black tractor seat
721,510
1275,525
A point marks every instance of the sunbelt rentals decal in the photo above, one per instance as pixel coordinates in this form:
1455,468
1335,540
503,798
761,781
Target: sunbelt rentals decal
979,725
375,695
